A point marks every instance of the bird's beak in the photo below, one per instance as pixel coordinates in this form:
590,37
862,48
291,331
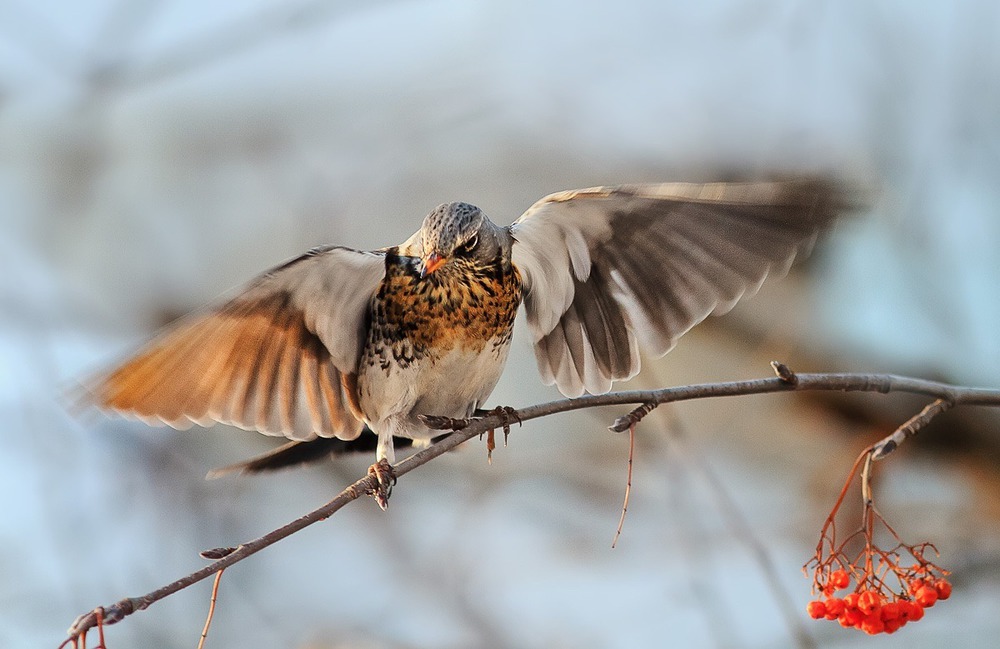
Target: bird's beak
431,263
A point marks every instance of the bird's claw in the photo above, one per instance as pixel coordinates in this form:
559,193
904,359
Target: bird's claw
506,414
436,422
386,477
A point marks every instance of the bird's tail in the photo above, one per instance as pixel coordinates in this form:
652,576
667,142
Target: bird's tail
300,453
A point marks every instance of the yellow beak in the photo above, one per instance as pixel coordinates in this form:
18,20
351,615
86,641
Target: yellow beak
431,263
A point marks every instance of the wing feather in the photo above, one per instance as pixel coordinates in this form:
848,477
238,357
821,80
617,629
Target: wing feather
606,266
271,358
309,380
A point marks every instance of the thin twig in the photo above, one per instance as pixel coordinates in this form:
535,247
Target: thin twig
628,484
866,479
100,629
628,422
211,610
910,428
791,382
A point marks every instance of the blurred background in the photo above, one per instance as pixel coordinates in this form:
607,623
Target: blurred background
154,153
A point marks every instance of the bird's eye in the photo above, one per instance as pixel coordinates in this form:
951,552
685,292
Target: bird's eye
470,244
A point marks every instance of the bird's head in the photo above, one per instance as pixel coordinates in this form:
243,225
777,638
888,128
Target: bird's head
456,232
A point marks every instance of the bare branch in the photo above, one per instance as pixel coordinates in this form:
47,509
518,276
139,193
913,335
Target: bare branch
910,428
787,381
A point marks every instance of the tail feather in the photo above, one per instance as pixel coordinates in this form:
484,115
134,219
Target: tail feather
296,453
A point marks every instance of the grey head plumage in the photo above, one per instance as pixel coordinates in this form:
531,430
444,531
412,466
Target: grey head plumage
449,226
459,231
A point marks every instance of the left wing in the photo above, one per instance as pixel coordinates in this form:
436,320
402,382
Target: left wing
608,266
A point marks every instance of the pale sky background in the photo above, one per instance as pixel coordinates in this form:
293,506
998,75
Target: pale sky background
154,154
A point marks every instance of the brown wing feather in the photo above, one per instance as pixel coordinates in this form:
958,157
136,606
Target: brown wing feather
240,366
255,362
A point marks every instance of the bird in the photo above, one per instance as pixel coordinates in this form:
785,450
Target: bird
342,349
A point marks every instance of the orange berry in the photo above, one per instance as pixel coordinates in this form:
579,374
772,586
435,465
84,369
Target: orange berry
891,626
851,600
834,607
916,585
869,602
890,611
943,588
839,579
916,612
851,617
926,596
873,624
816,609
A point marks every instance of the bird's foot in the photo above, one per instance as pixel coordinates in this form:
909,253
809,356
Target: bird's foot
507,417
506,414
386,477
436,422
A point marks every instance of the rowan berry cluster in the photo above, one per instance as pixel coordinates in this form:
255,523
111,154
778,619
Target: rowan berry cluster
874,609
888,590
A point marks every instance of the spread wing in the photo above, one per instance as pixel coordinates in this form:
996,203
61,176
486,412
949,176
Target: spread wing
607,266
278,357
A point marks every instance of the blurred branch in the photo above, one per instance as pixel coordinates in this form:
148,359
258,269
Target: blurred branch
232,38
785,381
113,45
110,62
740,529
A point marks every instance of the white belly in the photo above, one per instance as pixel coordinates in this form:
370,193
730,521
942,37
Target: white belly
453,385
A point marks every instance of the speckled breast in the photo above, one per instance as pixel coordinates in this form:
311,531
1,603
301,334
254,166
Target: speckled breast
461,305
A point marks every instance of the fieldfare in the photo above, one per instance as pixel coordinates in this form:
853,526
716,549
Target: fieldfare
339,342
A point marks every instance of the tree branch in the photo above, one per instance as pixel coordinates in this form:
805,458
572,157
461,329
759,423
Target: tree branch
946,396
